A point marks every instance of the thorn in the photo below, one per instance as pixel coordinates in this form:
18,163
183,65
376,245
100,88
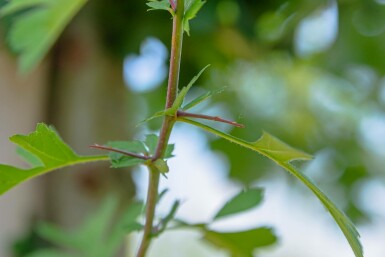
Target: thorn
207,117
111,149
173,5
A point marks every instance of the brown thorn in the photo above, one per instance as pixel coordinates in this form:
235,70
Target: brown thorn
135,155
207,117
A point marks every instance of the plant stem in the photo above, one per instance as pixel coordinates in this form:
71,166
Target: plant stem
168,123
173,78
152,194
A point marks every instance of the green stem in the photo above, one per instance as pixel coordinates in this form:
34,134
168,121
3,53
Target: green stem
168,123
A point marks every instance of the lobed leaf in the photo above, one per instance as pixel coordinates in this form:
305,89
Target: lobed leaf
29,158
243,201
191,8
45,151
283,154
34,32
160,5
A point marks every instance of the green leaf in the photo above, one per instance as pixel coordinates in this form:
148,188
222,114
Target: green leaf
169,217
242,244
283,154
46,151
179,100
154,116
151,142
16,6
49,253
97,236
120,160
243,201
191,8
182,94
147,148
197,101
277,150
34,32
161,166
129,218
200,99
29,157
162,194
160,5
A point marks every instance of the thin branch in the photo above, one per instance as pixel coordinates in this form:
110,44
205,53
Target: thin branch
152,195
168,123
207,117
173,78
111,149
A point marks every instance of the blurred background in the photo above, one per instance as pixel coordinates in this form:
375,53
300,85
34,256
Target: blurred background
308,72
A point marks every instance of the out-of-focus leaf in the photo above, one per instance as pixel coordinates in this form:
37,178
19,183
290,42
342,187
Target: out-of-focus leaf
243,201
169,217
162,194
282,154
129,218
49,253
242,244
45,151
191,9
98,236
34,32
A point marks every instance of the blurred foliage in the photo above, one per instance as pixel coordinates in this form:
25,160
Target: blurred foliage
328,101
102,234
34,32
104,230
30,243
